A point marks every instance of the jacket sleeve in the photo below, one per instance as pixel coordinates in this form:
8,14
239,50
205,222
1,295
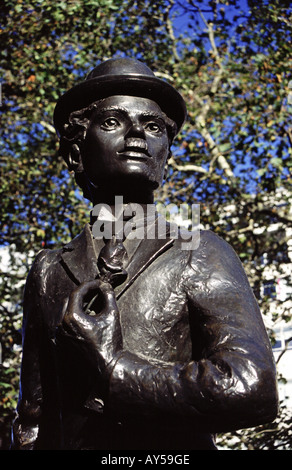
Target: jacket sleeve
231,381
26,424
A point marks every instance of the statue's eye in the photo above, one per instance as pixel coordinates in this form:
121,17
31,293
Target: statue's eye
153,127
110,123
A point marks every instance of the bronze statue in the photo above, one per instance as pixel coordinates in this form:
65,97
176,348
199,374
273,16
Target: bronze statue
135,343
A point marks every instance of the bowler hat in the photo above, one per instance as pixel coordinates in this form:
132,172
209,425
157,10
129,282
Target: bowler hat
120,76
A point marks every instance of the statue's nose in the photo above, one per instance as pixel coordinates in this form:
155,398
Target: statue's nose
135,130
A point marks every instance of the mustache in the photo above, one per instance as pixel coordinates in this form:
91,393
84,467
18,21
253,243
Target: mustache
133,143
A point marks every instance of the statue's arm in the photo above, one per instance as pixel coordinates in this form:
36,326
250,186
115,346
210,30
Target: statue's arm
26,424
233,383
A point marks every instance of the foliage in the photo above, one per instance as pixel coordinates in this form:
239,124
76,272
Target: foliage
230,61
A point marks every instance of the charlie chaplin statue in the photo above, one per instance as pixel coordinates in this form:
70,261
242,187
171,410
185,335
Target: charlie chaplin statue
136,343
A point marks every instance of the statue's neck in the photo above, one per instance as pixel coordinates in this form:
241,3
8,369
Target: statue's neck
109,196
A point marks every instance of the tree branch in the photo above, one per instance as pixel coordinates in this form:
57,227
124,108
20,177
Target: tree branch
187,167
170,30
287,341
48,126
206,105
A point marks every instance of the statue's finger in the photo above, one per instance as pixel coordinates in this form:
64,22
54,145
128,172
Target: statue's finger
76,300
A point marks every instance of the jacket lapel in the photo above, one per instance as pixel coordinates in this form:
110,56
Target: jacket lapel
79,258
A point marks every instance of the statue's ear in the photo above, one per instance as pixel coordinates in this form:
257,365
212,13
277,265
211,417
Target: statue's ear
74,160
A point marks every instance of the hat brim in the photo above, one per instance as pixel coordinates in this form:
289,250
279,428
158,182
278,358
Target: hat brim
82,95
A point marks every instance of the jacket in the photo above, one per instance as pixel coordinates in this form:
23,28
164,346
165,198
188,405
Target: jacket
196,357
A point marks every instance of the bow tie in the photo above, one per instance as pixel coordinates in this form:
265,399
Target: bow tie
113,256
112,260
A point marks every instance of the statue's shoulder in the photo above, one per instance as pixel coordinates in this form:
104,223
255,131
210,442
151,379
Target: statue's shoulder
47,256
199,240
44,261
214,241
48,261
213,249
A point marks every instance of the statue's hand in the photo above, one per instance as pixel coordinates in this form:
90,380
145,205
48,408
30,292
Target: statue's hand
99,334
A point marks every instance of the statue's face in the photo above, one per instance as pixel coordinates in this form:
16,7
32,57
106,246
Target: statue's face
126,141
